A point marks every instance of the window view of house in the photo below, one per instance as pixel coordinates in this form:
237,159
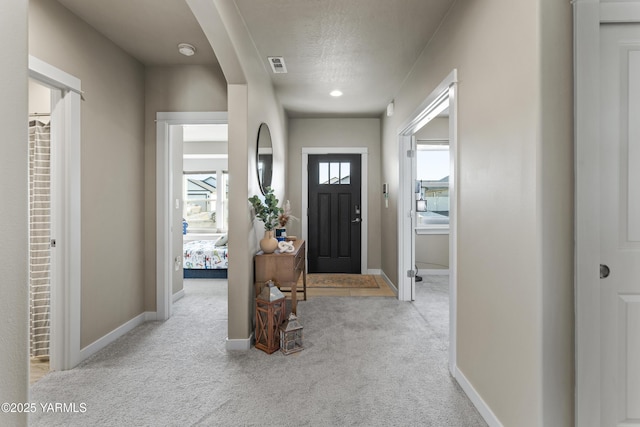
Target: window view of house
432,184
205,208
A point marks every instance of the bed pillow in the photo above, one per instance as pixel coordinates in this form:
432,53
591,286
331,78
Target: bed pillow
222,241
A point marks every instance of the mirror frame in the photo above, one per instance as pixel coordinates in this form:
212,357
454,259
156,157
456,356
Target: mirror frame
264,133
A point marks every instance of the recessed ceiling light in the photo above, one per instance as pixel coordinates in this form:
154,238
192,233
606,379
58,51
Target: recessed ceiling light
335,93
186,49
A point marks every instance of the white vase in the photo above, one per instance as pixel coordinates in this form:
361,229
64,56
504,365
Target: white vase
268,243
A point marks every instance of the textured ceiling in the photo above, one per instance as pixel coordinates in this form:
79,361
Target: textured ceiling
365,48
148,30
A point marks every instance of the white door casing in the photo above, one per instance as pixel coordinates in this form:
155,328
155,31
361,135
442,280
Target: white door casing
65,197
607,212
165,260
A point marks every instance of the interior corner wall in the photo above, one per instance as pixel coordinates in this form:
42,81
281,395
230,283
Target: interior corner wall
14,304
338,132
252,101
181,88
112,163
557,211
496,48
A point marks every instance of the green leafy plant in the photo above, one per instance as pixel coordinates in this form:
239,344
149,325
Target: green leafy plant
267,211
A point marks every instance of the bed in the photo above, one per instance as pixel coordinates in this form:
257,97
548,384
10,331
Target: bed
203,259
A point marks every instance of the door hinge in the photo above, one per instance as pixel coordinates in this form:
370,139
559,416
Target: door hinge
410,153
411,273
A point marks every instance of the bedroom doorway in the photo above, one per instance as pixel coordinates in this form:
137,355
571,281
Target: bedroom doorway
412,203
170,196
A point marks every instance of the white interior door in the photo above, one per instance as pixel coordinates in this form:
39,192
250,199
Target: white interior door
620,225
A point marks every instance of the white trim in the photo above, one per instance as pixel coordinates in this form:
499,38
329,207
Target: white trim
120,331
164,261
586,16
242,344
364,193
477,401
432,230
374,271
619,12
178,295
66,282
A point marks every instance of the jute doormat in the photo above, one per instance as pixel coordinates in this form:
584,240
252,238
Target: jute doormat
335,280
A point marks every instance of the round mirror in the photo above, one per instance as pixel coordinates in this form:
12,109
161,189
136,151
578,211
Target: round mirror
264,157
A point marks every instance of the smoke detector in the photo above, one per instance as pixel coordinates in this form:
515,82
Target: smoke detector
277,64
186,49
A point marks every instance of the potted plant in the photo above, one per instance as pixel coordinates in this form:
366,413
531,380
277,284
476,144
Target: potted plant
267,212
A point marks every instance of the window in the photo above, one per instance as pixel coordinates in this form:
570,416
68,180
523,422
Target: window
334,173
432,185
205,206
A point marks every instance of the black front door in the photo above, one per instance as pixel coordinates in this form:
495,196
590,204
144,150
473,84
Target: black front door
334,213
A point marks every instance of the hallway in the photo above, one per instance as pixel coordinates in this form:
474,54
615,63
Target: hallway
367,361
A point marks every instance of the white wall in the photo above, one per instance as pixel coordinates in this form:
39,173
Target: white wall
326,132
14,305
514,134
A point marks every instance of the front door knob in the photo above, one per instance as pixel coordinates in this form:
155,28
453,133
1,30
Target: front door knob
604,271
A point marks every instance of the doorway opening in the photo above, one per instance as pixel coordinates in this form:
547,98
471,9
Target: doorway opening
172,191
427,207
63,92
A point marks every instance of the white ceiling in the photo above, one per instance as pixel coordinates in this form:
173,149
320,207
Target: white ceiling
365,48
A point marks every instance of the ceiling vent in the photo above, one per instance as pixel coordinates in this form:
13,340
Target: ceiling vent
277,64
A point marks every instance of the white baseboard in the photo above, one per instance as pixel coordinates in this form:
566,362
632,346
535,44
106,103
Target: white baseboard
374,271
178,295
243,344
389,282
477,401
101,343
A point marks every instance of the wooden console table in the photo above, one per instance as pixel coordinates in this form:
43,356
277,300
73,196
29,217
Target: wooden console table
284,269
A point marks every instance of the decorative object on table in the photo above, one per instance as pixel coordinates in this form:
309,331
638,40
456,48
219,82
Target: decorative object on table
281,234
267,212
291,335
283,219
270,312
286,247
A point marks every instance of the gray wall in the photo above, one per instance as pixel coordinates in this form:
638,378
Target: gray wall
514,308
184,88
112,158
305,132
14,306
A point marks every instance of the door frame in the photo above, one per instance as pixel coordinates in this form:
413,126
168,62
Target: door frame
447,89
364,188
587,17
164,237
65,197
